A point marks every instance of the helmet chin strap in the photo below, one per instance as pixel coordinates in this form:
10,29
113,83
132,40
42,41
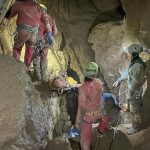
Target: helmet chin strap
134,54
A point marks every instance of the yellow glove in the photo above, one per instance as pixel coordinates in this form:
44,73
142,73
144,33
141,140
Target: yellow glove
71,81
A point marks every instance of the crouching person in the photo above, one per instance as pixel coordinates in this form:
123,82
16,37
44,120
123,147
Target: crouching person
89,106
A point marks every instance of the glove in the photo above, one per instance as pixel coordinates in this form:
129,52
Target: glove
50,38
74,132
116,84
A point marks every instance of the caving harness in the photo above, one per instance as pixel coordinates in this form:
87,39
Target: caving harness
38,48
62,90
115,131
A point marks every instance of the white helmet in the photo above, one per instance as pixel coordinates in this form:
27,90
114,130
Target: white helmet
135,48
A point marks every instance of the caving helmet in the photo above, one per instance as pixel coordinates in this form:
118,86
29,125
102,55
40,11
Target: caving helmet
135,48
91,69
44,8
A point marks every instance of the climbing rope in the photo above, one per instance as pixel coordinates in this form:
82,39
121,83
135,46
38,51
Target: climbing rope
96,143
57,59
114,118
123,92
115,131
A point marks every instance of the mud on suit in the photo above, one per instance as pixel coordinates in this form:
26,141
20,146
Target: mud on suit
136,80
89,110
28,20
40,61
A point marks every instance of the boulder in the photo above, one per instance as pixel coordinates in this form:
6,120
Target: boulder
27,111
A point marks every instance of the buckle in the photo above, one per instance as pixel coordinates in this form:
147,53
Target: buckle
60,90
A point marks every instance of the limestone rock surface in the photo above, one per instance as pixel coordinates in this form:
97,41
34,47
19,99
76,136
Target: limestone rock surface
107,42
27,111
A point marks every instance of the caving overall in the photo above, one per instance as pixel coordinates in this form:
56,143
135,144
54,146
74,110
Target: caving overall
40,61
136,80
28,35
89,110
40,57
28,20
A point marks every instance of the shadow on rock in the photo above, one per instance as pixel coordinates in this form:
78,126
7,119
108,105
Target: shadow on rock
58,144
121,142
145,144
43,89
146,101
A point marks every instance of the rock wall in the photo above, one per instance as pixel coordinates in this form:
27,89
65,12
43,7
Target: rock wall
136,21
5,4
108,53
28,113
75,20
